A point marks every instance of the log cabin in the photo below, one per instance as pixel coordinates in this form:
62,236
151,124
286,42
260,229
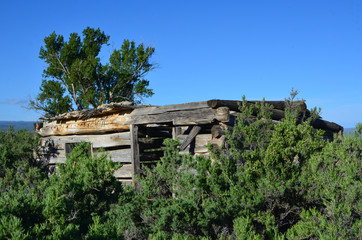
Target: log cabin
133,134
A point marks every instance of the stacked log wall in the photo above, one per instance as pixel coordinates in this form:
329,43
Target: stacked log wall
134,137
115,145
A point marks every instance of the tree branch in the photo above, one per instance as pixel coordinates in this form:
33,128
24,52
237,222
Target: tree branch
66,86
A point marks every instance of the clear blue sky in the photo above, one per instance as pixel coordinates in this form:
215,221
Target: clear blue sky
205,49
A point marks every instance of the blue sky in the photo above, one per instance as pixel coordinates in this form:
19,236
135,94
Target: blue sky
205,49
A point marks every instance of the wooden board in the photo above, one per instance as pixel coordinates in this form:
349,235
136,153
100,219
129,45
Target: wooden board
327,126
185,117
98,141
169,108
201,142
135,153
128,182
124,172
119,155
101,124
105,109
190,137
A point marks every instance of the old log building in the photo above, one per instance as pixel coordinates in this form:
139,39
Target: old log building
133,134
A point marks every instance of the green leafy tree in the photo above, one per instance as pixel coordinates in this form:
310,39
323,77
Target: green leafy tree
75,77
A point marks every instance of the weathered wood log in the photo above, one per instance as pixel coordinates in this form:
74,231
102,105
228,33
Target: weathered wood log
184,117
121,155
105,109
135,153
201,142
169,108
195,130
327,126
126,181
277,114
110,123
98,141
235,105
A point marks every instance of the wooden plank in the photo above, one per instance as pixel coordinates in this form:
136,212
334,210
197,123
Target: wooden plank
200,139
202,116
128,182
120,155
105,109
135,152
169,108
201,142
187,117
124,172
327,126
176,131
194,131
98,141
57,158
100,124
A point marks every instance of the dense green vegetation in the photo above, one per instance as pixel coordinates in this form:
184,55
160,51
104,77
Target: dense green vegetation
271,181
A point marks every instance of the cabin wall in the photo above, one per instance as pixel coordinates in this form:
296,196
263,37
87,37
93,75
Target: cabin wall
134,137
145,151
117,145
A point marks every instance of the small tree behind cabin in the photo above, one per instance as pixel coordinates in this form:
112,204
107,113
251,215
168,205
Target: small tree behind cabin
75,78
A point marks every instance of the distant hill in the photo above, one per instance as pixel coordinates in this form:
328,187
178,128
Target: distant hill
28,125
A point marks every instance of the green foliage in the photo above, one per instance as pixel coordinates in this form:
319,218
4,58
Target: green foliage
11,228
83,188
271,181
334,179
244,229
76,78
261,186
16,148
22,183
